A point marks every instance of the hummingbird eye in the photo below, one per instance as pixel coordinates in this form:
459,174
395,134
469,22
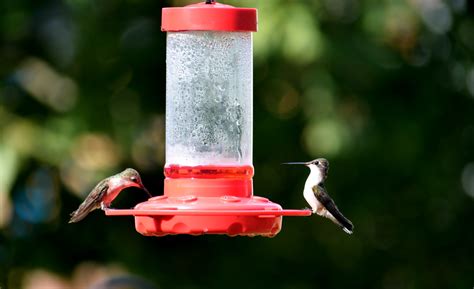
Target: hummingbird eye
133,179
316,163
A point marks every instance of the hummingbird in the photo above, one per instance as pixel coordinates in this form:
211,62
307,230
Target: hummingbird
106,191
317,197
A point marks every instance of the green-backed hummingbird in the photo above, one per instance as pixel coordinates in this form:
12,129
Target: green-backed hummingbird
317,197
106,191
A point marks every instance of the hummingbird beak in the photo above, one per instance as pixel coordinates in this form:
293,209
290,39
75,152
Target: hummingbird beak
146,191
141,186
295,163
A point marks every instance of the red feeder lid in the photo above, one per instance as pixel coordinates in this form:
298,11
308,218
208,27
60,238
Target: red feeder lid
212,17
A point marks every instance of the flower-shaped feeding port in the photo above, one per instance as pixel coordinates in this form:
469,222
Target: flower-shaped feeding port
208,186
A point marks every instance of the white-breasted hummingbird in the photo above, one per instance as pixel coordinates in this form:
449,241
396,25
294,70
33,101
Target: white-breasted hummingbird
106,191
317,197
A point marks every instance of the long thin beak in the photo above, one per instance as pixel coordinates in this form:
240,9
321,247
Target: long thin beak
146,191
141,186
295,163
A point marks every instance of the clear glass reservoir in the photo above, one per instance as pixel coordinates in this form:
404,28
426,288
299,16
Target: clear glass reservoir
209,99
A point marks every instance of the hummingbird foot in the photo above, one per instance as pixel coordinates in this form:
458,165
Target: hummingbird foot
306,208
103,207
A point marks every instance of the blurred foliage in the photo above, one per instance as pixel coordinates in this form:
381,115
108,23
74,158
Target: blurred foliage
383,89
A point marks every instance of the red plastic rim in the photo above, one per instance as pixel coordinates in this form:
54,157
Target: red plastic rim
197,215
210,17
176,212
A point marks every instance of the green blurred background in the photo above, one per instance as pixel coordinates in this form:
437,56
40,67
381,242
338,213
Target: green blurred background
383,89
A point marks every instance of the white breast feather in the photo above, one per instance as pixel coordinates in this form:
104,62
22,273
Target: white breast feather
313,179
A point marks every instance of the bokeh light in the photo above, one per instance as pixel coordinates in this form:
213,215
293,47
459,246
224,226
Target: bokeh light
468,179
46,85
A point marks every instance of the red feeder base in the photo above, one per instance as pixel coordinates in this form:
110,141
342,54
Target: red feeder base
208,200
230,215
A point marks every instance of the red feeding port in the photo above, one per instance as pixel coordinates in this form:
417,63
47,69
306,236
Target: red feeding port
209,118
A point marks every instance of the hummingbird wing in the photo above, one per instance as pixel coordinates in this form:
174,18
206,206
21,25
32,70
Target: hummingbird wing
337,217
91,202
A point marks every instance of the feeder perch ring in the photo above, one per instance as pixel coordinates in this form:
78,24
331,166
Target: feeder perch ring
228,215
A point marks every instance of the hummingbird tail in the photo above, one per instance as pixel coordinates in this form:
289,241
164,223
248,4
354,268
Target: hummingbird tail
347,231
338,218
344,222
83,210
77,216
332,212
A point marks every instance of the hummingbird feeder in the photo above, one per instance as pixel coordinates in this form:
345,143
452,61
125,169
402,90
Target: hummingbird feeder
208,186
